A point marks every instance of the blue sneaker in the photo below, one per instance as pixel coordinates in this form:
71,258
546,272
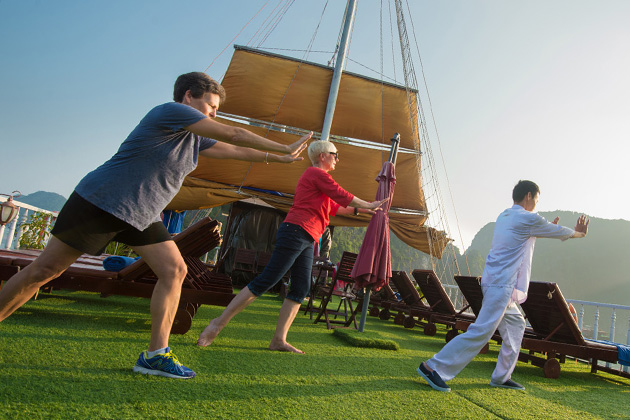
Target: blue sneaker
164,364
433,379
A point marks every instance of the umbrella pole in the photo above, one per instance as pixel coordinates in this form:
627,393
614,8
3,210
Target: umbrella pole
364,310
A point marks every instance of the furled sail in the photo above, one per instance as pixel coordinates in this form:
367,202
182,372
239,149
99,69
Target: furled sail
280,98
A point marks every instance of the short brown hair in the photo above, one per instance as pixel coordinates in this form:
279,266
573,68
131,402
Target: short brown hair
198,83
522,188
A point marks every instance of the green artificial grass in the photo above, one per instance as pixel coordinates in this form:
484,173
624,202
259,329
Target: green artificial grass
70,355
365,339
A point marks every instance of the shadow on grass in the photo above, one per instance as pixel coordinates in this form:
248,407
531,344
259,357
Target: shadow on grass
103,321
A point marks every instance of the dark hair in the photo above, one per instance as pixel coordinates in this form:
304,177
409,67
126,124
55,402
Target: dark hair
522,188
198,83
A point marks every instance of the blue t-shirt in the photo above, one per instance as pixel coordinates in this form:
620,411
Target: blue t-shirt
148,169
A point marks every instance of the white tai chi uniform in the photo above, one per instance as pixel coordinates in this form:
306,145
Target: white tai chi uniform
504,282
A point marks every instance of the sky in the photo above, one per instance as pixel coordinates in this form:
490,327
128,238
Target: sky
536,89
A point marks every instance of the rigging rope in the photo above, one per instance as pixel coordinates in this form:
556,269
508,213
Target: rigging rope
304,57
230,43
278,18
437,134
259,30
391,33
429,180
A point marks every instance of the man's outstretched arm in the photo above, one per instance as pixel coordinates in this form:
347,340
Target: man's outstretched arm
229,151
244,138
581,227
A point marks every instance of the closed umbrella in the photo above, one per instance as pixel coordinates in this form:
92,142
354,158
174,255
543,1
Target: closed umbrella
373,267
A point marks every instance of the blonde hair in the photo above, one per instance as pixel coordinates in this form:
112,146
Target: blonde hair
317,147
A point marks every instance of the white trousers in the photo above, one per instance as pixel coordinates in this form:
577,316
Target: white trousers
496,313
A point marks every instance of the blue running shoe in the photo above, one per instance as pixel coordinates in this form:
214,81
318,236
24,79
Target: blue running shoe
164,364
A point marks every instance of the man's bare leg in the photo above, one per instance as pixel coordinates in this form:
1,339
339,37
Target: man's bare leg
54,259
168,265
288,311
240,302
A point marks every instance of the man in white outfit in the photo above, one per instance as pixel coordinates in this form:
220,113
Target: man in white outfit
504,282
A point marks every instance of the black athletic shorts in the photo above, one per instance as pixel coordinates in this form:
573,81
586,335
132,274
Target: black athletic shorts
87,228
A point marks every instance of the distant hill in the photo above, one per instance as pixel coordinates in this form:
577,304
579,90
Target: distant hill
44,200
596,268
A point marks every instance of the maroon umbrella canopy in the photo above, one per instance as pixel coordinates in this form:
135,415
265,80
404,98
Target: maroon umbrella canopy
374,265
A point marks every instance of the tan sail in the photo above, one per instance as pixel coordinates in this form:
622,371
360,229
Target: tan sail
286,93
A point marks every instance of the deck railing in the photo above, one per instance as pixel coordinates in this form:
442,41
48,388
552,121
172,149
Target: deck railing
10,233
599,312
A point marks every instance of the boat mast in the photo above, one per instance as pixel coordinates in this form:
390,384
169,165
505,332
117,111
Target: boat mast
351,9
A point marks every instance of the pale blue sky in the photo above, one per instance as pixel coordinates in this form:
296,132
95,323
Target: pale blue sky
520,89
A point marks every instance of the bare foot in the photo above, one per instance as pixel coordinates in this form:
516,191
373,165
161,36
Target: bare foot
279,346
208,335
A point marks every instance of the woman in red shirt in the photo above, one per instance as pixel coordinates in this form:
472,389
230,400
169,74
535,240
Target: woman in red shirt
317,197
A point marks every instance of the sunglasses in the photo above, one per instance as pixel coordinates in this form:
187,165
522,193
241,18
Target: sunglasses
335,154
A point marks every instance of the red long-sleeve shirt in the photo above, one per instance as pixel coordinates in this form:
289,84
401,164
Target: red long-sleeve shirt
317,197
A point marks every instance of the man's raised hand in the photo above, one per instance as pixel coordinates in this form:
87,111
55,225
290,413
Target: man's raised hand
582,224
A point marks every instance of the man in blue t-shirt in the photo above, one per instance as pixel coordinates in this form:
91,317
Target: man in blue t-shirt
122,199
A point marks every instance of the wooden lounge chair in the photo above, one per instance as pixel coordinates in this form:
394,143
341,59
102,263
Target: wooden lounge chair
553,331
345,295
470,287
412,302
384,301
201,286
442,311
556,334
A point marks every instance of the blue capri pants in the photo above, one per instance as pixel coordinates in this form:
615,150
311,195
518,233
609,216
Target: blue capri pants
293,251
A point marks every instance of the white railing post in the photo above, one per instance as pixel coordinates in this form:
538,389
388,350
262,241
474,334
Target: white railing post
596,323
613,323
20,230
611,335
49,221
12,227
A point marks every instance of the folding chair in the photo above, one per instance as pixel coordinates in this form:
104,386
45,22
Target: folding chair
262,259
321,273
243,264
345,295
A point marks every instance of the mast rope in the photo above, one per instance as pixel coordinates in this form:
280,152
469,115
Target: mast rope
304,57
433,199
262,25
278,18
230,43
437,134
382,59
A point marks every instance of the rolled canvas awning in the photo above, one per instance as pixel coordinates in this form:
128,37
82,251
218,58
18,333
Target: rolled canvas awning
283,94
